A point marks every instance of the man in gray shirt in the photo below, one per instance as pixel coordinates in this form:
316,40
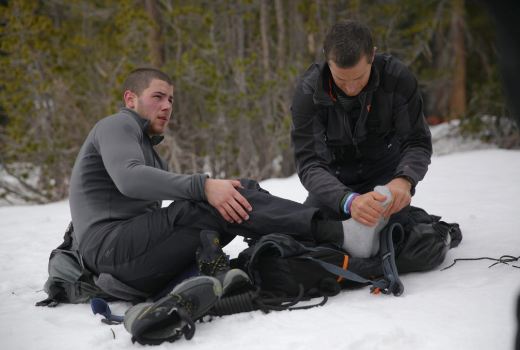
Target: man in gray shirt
118,182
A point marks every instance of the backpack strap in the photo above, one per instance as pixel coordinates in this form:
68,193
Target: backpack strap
100,306
349,275
49,302
390,282
67,238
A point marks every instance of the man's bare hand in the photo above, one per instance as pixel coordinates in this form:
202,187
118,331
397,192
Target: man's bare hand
222,195
401,196
367,208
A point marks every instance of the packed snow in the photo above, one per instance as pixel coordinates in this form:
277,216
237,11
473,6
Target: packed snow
469,306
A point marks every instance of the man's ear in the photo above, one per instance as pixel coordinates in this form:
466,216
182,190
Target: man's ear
129,97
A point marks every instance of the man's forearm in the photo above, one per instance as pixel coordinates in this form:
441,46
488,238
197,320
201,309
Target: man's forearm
415,159
144,182
324,186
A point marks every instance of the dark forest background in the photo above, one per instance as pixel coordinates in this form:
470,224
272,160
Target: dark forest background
234,64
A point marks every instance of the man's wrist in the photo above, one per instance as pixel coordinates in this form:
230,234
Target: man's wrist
346,203
410,180
407,179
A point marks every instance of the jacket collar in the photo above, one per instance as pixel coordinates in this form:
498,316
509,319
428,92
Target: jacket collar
324,92
144,124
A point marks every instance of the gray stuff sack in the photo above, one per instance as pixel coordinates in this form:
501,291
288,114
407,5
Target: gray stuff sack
71,282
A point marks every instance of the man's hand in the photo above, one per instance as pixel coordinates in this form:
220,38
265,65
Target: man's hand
222,195
367,208
401,195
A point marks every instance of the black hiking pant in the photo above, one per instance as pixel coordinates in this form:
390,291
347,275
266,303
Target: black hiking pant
149,251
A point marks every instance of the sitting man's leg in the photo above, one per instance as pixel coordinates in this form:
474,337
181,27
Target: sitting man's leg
149,251
145,253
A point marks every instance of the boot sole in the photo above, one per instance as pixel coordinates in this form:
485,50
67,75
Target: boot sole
154,323
208,289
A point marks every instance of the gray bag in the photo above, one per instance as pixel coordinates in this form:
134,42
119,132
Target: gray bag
69,280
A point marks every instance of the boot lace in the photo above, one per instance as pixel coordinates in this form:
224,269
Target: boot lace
214,267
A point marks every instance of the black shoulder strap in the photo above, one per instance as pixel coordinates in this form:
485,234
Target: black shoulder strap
390,282
335,270
387,75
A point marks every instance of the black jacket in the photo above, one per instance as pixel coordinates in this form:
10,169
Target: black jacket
390,138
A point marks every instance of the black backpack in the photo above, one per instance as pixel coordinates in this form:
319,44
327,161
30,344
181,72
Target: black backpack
285,272
279,264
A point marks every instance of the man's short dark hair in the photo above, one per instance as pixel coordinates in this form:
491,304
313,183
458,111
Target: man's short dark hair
139,79
346,42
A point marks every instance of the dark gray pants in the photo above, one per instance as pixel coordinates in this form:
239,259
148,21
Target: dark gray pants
149,251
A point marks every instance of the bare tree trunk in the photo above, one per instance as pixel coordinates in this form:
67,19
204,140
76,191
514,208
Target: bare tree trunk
240,77
264,36
331,14
267,106
280,47
297,35
155,37
458,95
247,155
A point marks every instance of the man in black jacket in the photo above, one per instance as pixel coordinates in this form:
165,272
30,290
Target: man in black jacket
358,123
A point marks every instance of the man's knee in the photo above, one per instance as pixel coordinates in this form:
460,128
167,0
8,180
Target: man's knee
250,184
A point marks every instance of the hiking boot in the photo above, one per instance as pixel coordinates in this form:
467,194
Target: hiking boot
173,315
214,262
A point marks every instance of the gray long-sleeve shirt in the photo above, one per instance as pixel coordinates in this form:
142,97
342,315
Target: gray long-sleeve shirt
118,175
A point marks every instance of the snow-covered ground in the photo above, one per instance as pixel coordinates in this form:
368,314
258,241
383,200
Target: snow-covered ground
469,306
